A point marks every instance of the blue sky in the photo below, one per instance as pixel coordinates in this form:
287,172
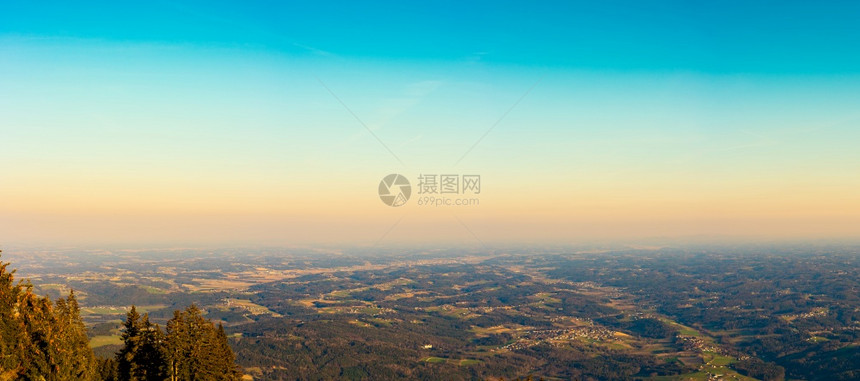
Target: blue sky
209,122
766,37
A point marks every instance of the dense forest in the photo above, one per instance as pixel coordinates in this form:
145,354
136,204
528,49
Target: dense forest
45,340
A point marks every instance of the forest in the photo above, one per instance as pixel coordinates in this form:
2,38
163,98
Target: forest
46,340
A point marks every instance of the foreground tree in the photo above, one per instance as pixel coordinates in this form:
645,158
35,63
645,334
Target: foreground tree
43,341
197,350
142,355
193,349
38,340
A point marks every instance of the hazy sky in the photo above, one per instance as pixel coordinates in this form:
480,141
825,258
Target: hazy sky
217,123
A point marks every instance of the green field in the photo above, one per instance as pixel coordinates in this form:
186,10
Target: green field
100,341
119,310
153,290
720,360
103,310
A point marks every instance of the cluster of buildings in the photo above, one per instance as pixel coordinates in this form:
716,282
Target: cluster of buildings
560,336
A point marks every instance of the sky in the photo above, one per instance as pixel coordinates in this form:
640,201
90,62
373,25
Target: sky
252,123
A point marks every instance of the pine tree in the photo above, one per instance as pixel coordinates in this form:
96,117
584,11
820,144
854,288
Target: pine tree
197,351
41,341
142,356
106,369
36,318
131,341
225,356
11,332
76,360
150,359
177,348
